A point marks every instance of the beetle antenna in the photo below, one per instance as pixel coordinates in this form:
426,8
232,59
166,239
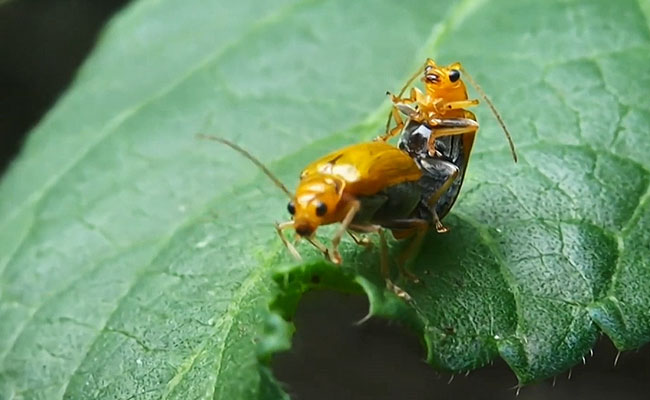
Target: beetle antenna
401,92
494,112
251,157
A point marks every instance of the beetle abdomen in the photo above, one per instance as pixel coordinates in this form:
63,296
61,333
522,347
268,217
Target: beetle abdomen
394,202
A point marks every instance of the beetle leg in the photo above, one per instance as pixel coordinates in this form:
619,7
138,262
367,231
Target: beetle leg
364,241
399,124
280,230
451,126
383,258
439,132
457,105
448,127
440,228
406,106
365,228
403,104
335,256
320,246
360,241
383,262
419,97
420,226
420,231
409,105
433,199
401,92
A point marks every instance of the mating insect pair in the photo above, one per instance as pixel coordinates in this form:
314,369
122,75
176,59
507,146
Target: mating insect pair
370,187
366,187
440,132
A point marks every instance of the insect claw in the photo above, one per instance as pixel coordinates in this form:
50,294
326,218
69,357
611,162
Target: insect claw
440,228
367,243
335,257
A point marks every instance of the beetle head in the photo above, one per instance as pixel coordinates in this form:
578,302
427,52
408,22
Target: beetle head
438,78
315,203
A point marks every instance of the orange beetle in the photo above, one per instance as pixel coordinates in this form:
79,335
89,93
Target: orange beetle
440,132
365,187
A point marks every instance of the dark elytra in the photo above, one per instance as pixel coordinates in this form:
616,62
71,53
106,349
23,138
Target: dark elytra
436,169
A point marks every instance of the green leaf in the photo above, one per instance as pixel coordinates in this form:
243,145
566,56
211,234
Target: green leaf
138,262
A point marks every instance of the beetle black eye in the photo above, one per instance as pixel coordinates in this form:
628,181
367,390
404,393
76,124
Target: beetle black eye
454,75
291,208
321,209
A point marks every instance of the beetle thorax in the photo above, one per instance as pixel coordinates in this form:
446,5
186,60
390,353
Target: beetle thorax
446,90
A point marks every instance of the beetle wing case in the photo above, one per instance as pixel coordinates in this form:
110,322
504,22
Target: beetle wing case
367,168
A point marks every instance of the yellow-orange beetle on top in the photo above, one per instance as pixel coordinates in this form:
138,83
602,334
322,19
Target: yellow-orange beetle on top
440,132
